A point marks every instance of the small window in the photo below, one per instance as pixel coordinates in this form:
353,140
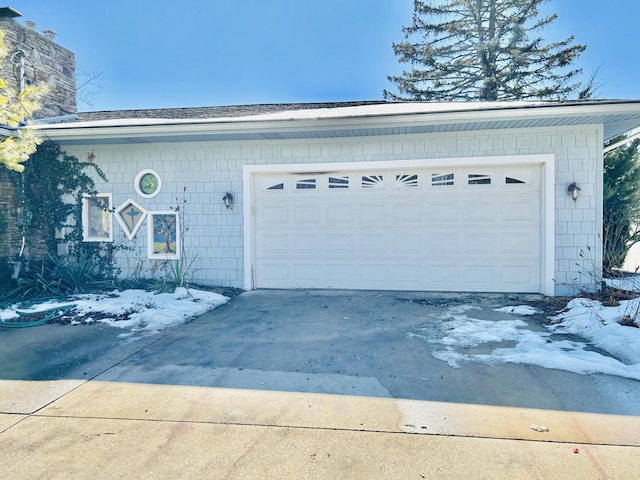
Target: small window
97,220
372,181
277,186
306,184
440,179
512,180
518,176
406,181
478,179
338,182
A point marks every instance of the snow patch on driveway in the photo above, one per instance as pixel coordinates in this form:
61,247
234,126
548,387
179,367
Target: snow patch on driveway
586,338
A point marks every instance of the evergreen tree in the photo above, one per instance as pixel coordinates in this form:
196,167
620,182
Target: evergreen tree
621,208
16,108
484,50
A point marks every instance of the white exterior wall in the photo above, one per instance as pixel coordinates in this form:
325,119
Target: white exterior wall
209,169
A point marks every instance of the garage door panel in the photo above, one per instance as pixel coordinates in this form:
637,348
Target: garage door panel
339,243
274,214
406,213
306,214
480,276
374,273
391,230
445,274
408,244
343,213
306,273
274,273
480,243
306,244
443,242
521,211
375,213
407,274
340,275
376,243
521,275
442,211
481,211
273,243
522,243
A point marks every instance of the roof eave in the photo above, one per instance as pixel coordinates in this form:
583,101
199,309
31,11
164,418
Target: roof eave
258,125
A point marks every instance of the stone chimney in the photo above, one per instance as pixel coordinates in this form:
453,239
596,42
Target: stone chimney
44,61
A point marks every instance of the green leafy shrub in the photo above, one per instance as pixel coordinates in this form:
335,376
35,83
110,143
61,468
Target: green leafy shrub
57,277
621,208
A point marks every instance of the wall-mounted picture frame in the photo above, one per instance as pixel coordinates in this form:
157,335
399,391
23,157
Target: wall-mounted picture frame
163,241
97,219
130,215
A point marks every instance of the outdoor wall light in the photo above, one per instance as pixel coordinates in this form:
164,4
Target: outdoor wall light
574,191
228,200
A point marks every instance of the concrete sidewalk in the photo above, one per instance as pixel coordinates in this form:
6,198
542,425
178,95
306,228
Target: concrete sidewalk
72,429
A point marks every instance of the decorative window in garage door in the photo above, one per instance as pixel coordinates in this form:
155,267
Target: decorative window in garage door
513,180
306,184
478,179
442,179
372,181
517,177
406,181
339,182
277,186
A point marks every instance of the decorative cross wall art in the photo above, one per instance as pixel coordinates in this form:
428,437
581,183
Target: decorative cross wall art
163,235
130,216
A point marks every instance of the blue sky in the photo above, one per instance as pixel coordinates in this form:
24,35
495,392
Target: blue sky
160,53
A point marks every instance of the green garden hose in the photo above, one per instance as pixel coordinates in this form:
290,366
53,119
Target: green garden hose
54,313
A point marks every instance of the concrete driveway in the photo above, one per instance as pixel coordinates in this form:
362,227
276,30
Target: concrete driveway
336,342
220,398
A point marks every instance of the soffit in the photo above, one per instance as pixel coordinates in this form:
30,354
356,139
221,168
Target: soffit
360,121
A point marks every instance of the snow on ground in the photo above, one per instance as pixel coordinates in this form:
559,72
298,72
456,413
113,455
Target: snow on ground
146,313
584,338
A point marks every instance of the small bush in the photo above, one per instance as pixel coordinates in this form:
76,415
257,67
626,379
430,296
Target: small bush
56,278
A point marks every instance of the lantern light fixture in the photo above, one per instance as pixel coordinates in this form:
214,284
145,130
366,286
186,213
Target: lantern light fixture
574,191
228,200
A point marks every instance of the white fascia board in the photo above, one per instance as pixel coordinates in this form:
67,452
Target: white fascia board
129,128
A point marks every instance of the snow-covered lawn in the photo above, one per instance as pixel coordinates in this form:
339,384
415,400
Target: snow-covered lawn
138,311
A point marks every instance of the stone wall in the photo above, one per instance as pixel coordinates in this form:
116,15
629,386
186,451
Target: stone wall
45,61
10,229
8,224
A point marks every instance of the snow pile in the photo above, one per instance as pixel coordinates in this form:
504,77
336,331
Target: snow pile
599,325
567,344
141,312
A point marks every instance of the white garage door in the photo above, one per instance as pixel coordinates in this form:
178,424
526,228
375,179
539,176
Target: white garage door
446,229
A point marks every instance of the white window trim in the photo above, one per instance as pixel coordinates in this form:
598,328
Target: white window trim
162,256
130,232
86,234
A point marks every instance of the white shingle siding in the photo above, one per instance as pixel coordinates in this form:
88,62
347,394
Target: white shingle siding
209,169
